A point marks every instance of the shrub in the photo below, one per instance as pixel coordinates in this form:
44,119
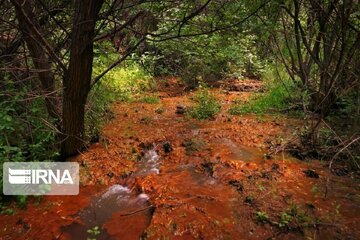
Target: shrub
262,217
279,95
120,84
206,105
160,110
206,58
26,130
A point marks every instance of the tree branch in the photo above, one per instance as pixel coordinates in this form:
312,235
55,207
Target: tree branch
117,62
39,37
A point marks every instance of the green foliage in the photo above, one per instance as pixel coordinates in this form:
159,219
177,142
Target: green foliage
26,131
285,219
21,200
206,105
150,99
207,58
279,95
261,216
123,81
6,210
315,189
299,216
160,110
93,232
120,84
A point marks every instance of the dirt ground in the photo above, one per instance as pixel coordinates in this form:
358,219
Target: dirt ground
217,178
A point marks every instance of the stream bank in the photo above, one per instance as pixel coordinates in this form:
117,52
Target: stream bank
162,175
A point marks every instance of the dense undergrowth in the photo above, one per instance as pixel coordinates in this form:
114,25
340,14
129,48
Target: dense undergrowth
206,105
206,58
280,94
121,84
27,133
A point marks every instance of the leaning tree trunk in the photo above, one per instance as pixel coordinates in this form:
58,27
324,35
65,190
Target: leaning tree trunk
28,25
78,78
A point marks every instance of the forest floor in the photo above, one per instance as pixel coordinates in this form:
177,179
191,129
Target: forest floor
158,174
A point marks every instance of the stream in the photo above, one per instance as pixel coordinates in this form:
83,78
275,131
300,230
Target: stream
117,199
119,204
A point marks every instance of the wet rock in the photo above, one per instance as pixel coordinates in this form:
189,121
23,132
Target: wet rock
167,147
310,206
193,145
249,200
237,185
209,167
146,146
180,109
311,173
24,224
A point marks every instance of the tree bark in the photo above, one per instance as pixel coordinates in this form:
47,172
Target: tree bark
25,15
78,78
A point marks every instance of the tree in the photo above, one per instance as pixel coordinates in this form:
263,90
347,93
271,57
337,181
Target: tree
62,49
321,42
77,79
30,30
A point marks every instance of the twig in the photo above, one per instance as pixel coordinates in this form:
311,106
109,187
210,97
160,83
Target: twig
117,62
345,147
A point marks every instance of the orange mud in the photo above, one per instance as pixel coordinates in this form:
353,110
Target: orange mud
215,183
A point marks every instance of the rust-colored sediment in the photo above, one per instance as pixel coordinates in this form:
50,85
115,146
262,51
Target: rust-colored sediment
212,190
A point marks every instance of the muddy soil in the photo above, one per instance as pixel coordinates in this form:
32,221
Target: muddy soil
157,174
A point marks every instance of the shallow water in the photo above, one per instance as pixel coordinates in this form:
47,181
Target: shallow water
213,192
117,201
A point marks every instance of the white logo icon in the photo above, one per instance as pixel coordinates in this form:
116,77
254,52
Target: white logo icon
38,176
19,176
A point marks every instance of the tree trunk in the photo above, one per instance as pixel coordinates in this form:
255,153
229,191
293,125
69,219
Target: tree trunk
25,15
78,78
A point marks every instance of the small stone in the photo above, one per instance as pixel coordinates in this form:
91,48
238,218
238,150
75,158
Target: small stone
237,184
180,109
167,147
249,200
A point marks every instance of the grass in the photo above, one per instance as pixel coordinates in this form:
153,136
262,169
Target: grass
206,105
261,216
150,99
160,110
120,84
193,145
279,96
